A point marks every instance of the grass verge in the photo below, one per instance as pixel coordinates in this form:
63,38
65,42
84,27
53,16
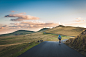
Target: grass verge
16,50
55,37
13,46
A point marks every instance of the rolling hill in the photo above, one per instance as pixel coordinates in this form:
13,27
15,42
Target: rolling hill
66,30
19,32
43,29
16,44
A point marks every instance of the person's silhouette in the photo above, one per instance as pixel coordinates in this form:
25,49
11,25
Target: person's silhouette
59,37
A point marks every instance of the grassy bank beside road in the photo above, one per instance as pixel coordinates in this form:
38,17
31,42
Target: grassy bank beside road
16,50
78,43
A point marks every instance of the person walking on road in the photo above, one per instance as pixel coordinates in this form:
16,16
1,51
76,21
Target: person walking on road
59,37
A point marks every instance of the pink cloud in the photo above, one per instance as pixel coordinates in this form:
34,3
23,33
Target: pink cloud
31,25
76,24
13,11
21,17
22,13
1,27
5,31
34,24
79,20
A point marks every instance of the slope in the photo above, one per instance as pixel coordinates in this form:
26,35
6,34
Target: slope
78,43
43,29
19,32
66,30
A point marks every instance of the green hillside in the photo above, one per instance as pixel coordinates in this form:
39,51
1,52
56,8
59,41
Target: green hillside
19,32
66,30
27,39
43,29
19,44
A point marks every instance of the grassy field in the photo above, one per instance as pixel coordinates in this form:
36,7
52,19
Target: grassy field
14,45
55,38
16,50
66,30
21,43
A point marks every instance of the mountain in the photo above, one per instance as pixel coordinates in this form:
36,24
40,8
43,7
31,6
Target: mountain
66,30
78,43
19,32
43,29
60,26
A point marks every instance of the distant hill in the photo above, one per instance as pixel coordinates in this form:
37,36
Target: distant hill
19,32
43,29
78,43
66,30
60,26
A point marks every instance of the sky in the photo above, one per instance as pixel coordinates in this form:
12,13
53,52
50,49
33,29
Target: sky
36,14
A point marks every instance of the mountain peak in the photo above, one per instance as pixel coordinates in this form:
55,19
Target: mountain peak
61,26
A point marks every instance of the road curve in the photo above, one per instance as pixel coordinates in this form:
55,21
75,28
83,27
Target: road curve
51,49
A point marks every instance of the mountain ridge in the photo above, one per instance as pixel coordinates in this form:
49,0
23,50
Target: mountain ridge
18,32
43,29
66,30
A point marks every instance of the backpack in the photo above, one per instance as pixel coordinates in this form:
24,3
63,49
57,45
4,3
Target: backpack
59,37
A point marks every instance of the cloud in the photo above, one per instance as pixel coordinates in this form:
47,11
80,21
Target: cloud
1,27
34,24
23,13
73,24
4,25
76,24
12,11
5,31
40,23
21,17
79,20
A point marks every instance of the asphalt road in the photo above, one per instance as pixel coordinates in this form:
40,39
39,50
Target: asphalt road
51,49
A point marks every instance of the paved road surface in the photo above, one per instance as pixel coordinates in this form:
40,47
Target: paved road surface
51,49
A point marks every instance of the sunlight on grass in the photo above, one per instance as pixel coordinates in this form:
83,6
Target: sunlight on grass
67,30
16,50
21,43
